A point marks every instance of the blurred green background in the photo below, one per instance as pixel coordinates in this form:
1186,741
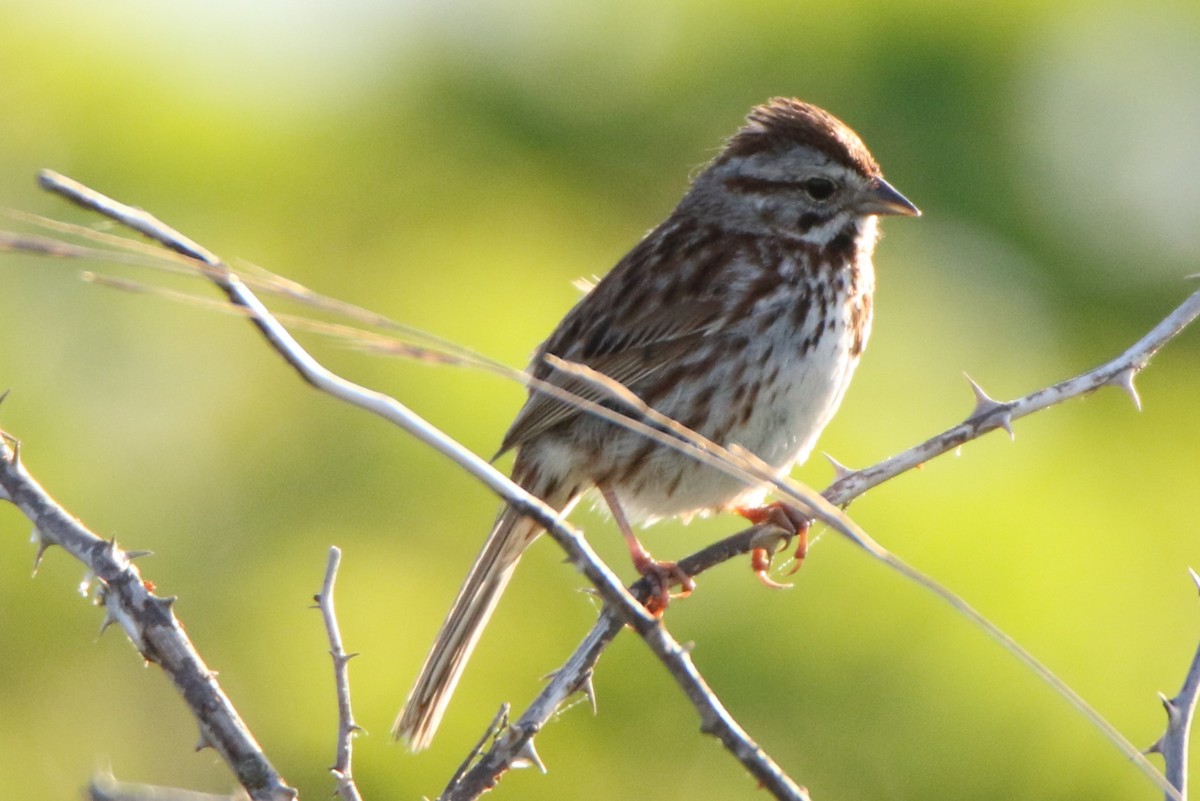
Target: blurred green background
454,165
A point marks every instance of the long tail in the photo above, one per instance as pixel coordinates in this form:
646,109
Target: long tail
422,712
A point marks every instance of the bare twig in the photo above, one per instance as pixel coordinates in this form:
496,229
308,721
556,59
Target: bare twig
498,725
715,719
150,623
347,790
989,414
1173,745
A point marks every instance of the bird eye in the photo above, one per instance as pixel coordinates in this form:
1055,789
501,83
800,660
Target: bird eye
818,188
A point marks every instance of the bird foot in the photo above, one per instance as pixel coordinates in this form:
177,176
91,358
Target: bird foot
788,519
663,575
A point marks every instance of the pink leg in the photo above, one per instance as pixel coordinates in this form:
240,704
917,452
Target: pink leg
664,574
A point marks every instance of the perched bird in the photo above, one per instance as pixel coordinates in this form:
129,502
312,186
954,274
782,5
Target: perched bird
741,316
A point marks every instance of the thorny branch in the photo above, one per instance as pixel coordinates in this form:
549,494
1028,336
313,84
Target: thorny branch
990,414
149,622
1173,745
347,728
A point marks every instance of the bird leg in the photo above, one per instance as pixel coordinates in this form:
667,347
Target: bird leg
792,522
662,574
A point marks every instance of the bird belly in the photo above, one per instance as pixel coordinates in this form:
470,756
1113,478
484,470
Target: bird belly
778,416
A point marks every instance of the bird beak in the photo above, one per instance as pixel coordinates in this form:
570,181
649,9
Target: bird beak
881,198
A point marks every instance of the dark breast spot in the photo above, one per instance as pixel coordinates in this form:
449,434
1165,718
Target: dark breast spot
801,308
860,318
841,248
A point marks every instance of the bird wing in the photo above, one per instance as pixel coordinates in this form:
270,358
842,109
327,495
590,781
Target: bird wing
627,351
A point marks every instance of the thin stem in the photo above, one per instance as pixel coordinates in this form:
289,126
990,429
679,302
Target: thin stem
347,728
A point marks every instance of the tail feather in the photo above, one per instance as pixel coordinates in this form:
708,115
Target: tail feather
422,712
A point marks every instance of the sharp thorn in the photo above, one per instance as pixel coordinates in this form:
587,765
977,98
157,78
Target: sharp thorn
1006,424
43,543
588,688
164,602
840,470
138,554
203,741
984,403
1170,707
37,559
13,443
1124,381
1156,748
527,756
986,407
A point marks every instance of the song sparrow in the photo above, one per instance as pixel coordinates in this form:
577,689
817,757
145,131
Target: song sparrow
742,316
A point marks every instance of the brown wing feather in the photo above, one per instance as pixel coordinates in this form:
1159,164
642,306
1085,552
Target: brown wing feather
629,367
630,326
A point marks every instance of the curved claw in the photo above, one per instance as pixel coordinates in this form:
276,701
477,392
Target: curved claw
801,550
760,562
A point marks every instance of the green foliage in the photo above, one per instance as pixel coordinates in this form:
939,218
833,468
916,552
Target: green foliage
454,166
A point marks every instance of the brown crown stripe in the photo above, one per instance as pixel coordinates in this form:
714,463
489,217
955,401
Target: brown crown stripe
785,122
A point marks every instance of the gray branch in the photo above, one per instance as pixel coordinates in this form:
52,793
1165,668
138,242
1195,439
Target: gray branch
1173,745
989,415
150,623
347,790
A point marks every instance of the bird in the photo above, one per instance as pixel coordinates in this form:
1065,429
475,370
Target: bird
742,316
